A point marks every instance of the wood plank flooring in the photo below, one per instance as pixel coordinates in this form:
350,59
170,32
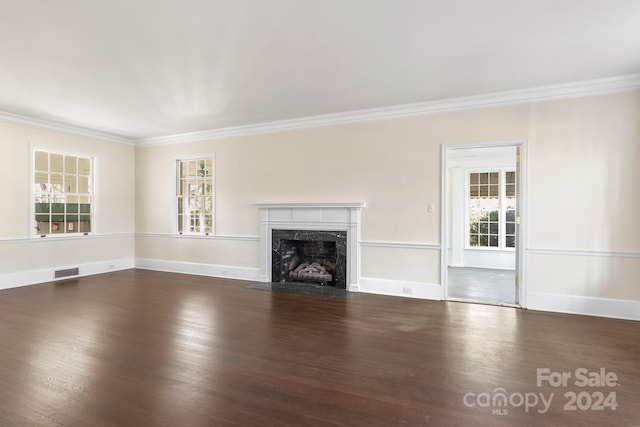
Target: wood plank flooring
143,348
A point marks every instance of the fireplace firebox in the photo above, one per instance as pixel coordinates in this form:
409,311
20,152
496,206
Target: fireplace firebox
293,221
309,256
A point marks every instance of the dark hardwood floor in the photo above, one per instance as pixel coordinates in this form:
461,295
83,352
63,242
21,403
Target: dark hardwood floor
143,348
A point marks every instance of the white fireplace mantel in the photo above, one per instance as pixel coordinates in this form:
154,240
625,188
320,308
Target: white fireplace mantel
312,216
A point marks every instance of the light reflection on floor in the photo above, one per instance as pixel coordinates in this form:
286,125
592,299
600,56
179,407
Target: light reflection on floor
483,285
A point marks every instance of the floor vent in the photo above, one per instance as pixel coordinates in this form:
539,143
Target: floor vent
66,273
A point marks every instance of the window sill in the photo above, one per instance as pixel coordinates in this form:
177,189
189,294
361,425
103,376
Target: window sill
61,236
195,235
489,249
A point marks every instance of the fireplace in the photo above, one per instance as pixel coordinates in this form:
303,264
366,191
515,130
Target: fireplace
325,236
314,256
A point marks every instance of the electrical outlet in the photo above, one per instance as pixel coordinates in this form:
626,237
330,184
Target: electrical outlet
407,290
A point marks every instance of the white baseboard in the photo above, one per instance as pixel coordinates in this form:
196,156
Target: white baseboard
589,306
213,270
400,288
32,277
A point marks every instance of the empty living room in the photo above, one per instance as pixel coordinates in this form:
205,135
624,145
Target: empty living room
320,213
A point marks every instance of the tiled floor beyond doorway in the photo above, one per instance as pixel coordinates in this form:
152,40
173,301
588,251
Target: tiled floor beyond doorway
484,285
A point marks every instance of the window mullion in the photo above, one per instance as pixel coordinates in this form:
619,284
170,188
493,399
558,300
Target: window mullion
57,196
193,176
503,212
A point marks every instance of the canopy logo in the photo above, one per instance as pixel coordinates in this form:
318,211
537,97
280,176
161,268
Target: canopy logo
500,401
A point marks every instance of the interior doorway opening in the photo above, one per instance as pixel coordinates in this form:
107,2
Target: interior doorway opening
483,232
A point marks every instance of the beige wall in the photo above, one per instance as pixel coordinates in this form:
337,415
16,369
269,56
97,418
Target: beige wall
582,188
583,158
583,209
115,202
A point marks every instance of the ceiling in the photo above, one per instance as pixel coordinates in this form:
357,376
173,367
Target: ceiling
150,68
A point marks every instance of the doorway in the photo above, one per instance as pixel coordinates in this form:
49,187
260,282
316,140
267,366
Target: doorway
483,222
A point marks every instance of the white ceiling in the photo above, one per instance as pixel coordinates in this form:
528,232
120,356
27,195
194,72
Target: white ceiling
147,68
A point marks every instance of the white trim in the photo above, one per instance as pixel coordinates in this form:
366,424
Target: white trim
513,97
399,288
32,277
302,226
502,220
522,191
588,306
523,200
358,205
570,304
337,216
571,252
174,220
211,270
521,96
92,184
484,144
198,236
444,220
62,127
397,245
54,238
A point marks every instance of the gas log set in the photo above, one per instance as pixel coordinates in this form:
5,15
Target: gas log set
309,256
312,272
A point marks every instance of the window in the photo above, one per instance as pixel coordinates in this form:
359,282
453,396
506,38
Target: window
492,209
510,209
62,194
195,196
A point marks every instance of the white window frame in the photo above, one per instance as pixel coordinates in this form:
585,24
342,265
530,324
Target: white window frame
502,226
32,194
176,195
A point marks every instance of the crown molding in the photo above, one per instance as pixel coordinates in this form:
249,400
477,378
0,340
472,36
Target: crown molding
62,127
543,93
521,96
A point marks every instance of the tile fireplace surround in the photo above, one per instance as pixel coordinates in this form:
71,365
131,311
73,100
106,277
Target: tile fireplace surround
312,216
